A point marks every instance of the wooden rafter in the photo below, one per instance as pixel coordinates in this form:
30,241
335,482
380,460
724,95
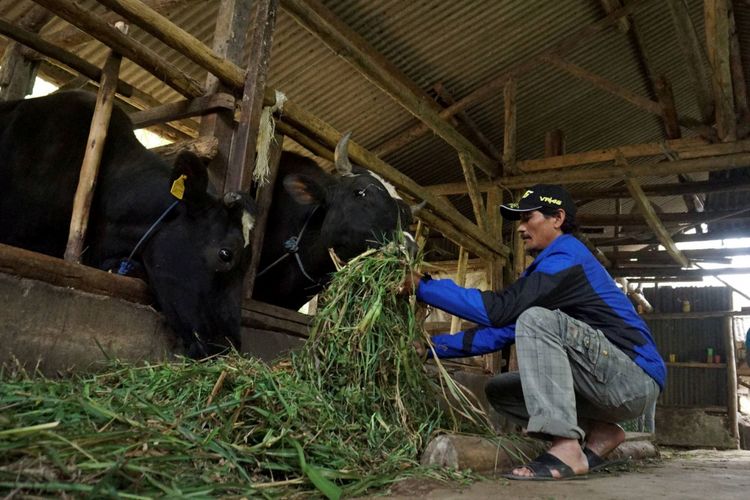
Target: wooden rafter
739,85
493,87
510,127
613,88
652,219
689,274
623,24
716,16
658,257
353,48
693,53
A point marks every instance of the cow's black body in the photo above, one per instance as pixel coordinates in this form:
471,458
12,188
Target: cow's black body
349,213
195,259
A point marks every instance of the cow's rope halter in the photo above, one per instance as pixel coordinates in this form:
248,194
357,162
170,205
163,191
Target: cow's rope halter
291,247
126,265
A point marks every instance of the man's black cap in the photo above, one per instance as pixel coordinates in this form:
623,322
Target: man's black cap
538,197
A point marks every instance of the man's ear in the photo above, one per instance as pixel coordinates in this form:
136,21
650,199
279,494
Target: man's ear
304,189
560,218
189,179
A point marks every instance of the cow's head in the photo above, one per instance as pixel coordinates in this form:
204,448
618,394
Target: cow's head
362,210
196,260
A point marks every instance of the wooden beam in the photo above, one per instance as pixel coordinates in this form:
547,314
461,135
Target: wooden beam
677,238
182,109
674,272
229,38
671,189
669,217
693,53
652,219
58,272
354,49
84,195
129,48
477,202
571,176
664,94
661,256
716,16
17,69
204,148
242,156
613,88
72,61
496,84
731,364
739,85
263,198
468,122
509,127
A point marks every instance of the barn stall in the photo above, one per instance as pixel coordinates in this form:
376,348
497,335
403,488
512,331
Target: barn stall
639,107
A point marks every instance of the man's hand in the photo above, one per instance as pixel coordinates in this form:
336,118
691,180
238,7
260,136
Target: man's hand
410,284
420,349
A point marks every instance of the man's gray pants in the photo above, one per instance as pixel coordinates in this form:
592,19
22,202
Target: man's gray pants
569,373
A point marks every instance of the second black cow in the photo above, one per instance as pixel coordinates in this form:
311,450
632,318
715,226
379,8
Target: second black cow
313,211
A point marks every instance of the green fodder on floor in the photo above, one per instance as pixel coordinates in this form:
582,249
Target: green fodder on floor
350,411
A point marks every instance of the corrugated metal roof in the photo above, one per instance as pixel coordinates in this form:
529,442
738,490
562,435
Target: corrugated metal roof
462,45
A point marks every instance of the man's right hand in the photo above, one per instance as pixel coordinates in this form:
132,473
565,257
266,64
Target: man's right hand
410,284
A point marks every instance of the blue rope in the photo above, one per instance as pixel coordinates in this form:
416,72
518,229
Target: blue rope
126,266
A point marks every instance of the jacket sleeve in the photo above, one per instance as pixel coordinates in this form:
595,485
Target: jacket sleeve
472,342
554,283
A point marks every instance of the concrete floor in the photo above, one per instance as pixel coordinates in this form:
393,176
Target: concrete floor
697,474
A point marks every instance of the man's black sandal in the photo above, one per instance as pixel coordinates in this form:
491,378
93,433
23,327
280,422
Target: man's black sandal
597,463
542,467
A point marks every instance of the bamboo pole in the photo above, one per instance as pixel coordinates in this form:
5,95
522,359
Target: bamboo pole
126,47
93,155
35,42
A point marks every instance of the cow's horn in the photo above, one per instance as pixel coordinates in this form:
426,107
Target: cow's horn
231,199
416,208
341,155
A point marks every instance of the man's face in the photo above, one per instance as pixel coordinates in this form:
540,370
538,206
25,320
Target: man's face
538,231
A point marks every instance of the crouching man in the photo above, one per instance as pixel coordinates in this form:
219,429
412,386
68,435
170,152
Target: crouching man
586,359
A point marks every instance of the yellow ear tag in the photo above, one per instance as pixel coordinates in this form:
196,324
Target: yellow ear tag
178,187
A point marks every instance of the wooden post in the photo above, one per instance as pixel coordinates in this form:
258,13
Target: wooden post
509,134
18,72
477,202
493,361
230,33
731,364
242,156
264,197
463,262
94,149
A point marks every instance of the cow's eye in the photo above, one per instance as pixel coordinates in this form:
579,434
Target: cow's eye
361,192
226,255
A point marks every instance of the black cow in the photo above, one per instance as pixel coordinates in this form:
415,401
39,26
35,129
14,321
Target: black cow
313,211
195,258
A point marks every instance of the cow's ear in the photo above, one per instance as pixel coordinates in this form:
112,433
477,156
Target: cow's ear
189,179
304,189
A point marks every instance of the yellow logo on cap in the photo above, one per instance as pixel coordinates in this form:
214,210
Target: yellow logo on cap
550,199
527,193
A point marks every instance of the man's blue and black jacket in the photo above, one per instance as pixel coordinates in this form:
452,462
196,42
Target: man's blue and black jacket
564,276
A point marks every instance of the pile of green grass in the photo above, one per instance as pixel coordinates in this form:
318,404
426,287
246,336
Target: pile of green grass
351,411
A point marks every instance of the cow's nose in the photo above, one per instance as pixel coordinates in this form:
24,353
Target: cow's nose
410,246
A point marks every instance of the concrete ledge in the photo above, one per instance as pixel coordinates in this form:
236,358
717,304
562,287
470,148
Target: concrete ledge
59,329
693,427
483,455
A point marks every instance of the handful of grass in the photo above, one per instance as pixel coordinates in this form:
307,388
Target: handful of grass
350,411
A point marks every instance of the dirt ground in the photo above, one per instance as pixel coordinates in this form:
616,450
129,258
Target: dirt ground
697,474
